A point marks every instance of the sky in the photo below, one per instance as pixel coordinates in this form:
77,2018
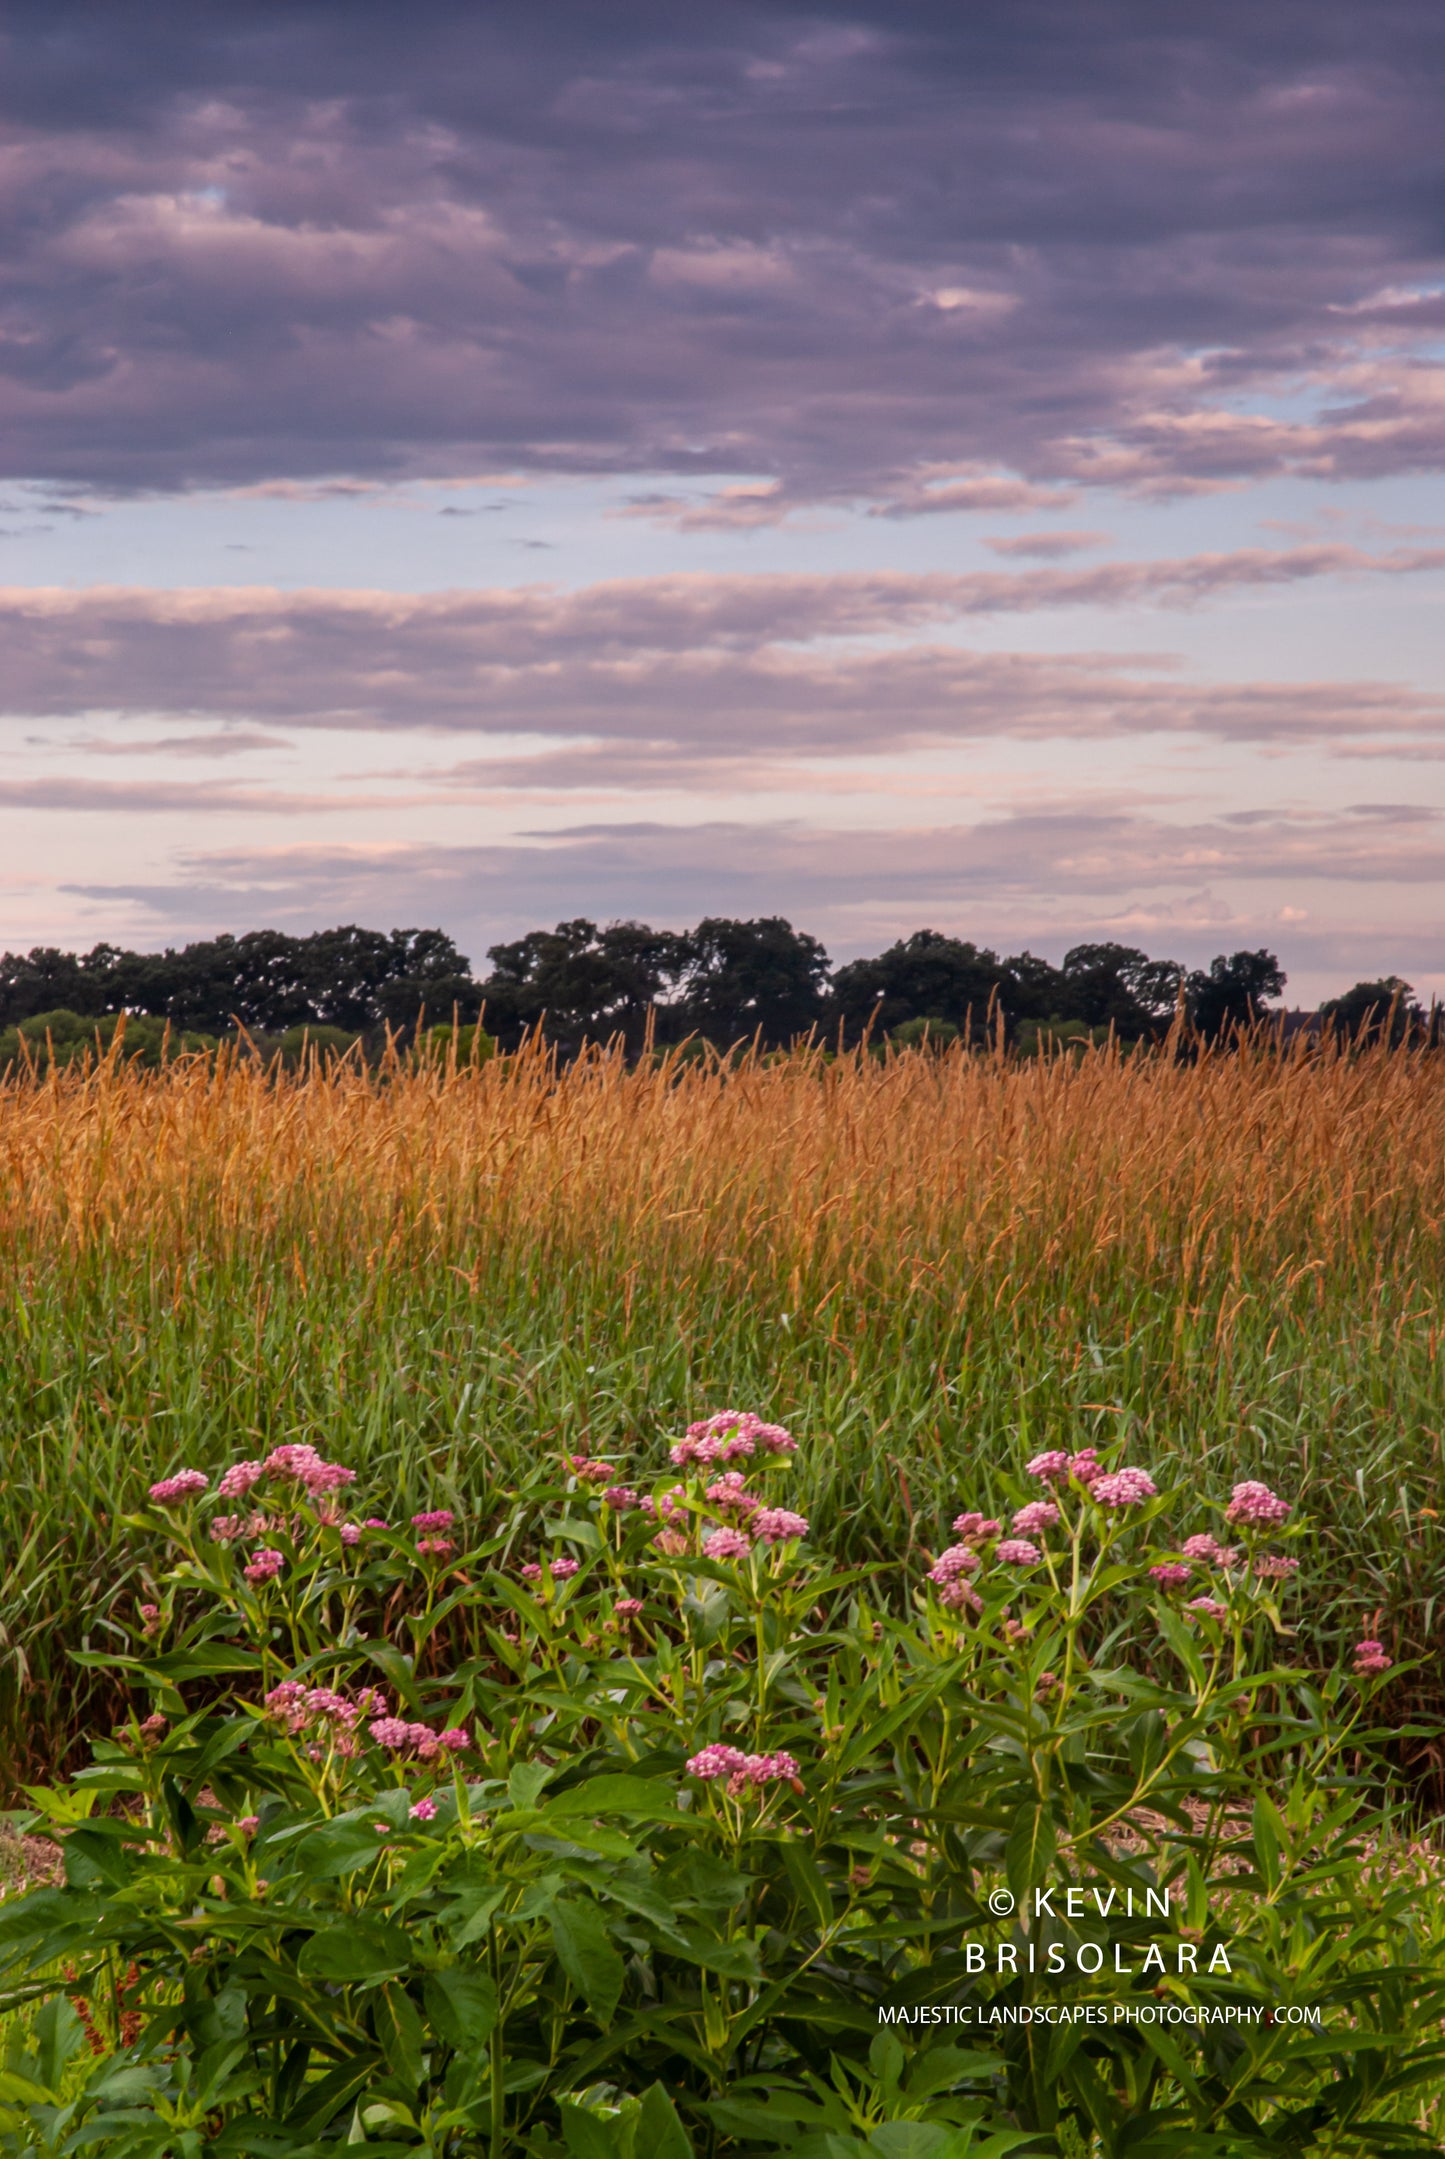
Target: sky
900,465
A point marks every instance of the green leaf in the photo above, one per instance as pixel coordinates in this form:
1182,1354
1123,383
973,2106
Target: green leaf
586,1954
590,2135
660,2134
59,2036
403,2040
527,1782
807,1879
1269,1837
340,1847
358,1952
462,2006
640,1796
911,2140
1029,1851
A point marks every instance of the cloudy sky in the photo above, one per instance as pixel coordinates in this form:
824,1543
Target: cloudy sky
967,465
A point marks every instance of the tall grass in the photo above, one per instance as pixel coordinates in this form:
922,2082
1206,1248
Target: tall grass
927,1265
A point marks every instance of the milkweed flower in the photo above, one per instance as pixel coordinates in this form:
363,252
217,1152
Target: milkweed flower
671,1542
1051,1467
248,1824
715,1761
456,1739
1209,1548
435,1547
960,1596
628,1607
435,1518
1255,1506
150,1618
1123,1488
1018,1552
1371,1657
731,1494
727,1544
185,1484
1038,1514
949,1565
226,1528
776,1525
1171,1574
351,1532
742,1770
589,1472
424,1810
667,1506
619,1497
1085,1467
374,1521
239,1479
266,1565
732,1435
971,1526
563,1568
1207,1608
1274,1566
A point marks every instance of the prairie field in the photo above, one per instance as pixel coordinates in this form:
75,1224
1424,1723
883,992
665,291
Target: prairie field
927,1266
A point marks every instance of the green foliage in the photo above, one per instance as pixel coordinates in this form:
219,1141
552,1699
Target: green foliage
606,1829
471,1045
63,1038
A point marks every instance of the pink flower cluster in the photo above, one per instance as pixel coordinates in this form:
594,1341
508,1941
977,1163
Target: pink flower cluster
561,1569
1274,1566
1207,1608
589,1471
323,1711
1255,1506
1123,1488
425,1810
731,1495
1038,1515
619,1497
727,1544
265,1566
668,1506
733,1435
1057,1467
1371,1657
1018,1552
958,1560
435,1547
172,1491
296,1463
1210,1550
628,1607
1171,1573
973,1527
742,1770
395,1734
434,1518
776,1525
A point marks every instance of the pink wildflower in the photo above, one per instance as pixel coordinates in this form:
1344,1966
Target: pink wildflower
1038,1514
374,1521
185,1484
960,1596
628,1607
619,1497
949,1565
1172,1574
1018,1552
531,1572
150,1618
716,1761
1210,1549
667,1506
563,1569
1123,1488
295,1459
351,1532
1371,1657
1052,1467
1085,1466
436,1518
590,1472
776,1525
742,1770
975,1527
1255,1506
249,1824
1275,1566
391,1731
326,1477
727,1544
266,1565
155,1724
226,1528
671,1542
239,1479
423,1811
456,1739
435,1547
730,1493
1207,1608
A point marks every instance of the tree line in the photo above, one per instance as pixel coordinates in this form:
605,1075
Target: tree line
725,980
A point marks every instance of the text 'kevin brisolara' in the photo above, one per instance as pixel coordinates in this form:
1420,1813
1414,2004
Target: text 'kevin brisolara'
984,2014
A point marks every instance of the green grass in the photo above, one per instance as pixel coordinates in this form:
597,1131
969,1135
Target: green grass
926,1270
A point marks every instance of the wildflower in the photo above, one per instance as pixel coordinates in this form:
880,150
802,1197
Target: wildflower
1123,1488
1172,1574
239,1479
628,1607
326,1477
456,1739
776,1525
733,1435
1038,1514
435,1547
374,1521
563,1568
619,1497
292,1460
390,1731
531,1572
351,1532
730,1493
975,1527
1255,1506
423,1811
266,1565
1274,1566
1371,1657
1085,1466
1018,1552
150,1615
668,1506
185,1484
589,1472
1208,1548
742,1770
226,1528
1207,1608
727,1544
957,1560
1051,1467
959,1596
436,1518
155,1723
716,1761
288,1702
671,1542
249,1824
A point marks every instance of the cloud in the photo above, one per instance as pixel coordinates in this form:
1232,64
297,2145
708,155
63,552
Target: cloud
911,260
1047,546
685,674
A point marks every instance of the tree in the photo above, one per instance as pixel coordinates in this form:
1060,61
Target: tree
924,977
1118,986
588,984
748,977
1372,1011
1233,992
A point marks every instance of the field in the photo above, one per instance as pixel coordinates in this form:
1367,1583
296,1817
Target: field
928,1267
